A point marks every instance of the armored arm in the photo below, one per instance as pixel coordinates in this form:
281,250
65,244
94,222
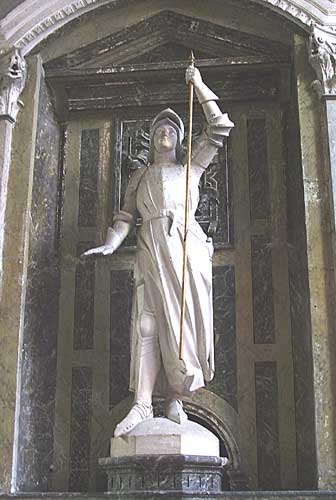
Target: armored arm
218,124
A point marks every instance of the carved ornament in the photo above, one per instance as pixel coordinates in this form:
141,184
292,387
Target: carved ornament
290,8
322,57
27,31
13,74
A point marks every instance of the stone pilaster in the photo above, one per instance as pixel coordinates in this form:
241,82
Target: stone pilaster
17,180
12,80
317,117
322,57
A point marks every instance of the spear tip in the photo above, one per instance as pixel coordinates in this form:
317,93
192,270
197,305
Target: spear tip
192,58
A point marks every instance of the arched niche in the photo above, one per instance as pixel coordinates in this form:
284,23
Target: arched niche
98,88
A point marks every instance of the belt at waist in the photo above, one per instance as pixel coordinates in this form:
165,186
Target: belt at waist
176,217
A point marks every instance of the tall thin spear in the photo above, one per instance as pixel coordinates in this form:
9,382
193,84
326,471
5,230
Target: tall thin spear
186,211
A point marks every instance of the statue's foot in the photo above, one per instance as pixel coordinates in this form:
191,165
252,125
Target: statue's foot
139,412
174,411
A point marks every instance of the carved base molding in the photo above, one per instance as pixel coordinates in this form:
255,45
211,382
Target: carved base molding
158,475
228,495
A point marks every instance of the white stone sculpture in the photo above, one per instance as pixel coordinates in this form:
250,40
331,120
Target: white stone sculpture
157,193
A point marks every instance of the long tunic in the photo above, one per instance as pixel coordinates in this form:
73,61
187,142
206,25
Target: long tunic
157,192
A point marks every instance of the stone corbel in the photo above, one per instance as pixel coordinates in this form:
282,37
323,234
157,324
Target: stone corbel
13,74
322,57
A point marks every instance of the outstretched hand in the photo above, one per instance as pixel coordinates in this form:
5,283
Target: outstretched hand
115,236
102,250
193,75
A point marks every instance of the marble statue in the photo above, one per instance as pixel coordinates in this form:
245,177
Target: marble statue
157,193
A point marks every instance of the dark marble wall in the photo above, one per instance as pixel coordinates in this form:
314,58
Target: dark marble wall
299,308
38,376
84,300
267,407
260,204
80,428
262,285
217,180
224,304
88,194
121,291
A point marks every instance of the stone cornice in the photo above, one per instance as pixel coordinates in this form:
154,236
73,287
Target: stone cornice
322,57
34,20
13,73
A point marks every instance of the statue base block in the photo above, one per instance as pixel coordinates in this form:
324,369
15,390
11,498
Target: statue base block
160,458
157,476
160,436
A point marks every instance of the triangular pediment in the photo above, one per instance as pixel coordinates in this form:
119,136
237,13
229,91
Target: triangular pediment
166,37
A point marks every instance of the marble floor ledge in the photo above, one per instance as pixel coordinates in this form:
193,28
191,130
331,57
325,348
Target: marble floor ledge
232,495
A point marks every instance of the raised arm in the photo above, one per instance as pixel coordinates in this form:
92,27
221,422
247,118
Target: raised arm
123,221
218,124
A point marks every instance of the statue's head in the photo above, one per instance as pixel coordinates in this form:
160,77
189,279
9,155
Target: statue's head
167,132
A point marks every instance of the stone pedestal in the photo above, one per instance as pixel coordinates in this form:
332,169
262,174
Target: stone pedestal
162,459
172,476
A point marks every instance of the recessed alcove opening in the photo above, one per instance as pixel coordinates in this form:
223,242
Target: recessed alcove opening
77,338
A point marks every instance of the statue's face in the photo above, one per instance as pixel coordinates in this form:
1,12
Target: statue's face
165,138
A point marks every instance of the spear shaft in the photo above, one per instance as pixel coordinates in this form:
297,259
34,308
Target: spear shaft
186,213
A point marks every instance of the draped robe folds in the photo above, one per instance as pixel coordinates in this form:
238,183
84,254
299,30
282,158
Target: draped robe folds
157,193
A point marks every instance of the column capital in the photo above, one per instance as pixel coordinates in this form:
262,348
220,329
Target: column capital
322,57
13,75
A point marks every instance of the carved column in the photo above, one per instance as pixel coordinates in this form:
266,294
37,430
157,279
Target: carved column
322,57
16,168
320,187
13,73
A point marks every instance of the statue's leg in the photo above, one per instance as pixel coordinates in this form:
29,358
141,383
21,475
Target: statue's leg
149,364
150,358
174,407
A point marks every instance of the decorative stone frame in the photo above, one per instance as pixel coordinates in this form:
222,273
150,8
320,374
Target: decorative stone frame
20,30
27,31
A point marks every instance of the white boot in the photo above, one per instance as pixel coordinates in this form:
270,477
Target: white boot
174,411
139,412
